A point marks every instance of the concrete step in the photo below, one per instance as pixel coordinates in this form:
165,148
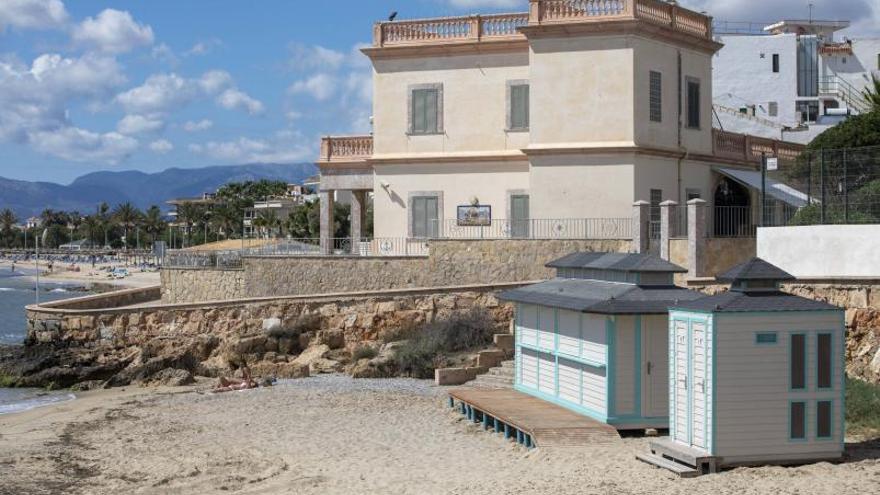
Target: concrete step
507,364
490,358
505,372
662,462
504,341
490,381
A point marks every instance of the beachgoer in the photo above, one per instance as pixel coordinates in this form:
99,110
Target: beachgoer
229,384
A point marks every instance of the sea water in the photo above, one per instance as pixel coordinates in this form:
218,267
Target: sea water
16,292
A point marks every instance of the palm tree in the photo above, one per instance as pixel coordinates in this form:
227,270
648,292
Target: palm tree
268,222
126,215
226,219
189,214
103,218
90,228
7,223
872,93
153,223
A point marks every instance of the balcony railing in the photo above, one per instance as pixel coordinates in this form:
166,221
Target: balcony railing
541,12
346,148
535,228
748,148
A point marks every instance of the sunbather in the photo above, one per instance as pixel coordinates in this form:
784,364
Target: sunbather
243,383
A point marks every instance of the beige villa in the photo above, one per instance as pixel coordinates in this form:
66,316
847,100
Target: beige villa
527,122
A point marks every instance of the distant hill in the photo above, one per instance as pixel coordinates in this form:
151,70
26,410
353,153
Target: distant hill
142,189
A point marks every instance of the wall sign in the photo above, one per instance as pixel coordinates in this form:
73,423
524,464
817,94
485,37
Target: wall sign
474,216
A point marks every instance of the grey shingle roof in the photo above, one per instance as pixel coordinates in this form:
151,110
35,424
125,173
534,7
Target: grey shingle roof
737,302
627,262
595,296
755,269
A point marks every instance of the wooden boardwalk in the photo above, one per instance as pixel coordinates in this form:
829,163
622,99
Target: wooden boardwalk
546,424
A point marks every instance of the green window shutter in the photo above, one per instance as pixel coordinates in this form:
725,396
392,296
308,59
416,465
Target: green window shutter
519,106
693,104
425,104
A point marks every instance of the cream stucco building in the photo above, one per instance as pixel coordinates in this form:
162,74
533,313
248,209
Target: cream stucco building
534,122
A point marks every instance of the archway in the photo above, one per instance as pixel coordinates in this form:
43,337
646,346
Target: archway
732,213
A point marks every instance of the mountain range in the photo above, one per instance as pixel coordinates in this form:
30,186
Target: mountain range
141,189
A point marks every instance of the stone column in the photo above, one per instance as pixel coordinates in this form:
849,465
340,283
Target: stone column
327,223
641,218
667,216
696,238
358,211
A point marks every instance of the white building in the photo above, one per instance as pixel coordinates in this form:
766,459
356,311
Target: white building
790,80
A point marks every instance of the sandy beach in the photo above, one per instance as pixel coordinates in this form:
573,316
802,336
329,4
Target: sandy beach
336,435
63,273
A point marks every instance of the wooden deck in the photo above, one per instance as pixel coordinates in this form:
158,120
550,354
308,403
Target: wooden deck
545,424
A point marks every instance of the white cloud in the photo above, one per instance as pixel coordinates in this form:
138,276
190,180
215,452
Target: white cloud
138,124
203,47
202,125
35,102
112,31
320,86
284,149
75,144
305,57
159,93
161,146
165,54
233,99
32,14
214,81
864,14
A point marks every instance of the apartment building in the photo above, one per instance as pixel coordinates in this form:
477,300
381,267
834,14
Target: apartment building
791,79
573,110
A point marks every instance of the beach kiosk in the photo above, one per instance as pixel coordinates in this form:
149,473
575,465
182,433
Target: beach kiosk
756,376
594,339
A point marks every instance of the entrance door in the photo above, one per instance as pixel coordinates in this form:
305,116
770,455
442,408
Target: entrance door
682,409
519,216
425,217
656,366
698,391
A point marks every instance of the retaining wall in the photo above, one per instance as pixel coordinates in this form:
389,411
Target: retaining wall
450,262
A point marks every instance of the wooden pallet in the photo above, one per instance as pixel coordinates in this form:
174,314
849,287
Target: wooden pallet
532,421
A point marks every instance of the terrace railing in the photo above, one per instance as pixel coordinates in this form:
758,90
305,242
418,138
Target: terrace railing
346,147
743,147
541,12
373,247
206,260
558,228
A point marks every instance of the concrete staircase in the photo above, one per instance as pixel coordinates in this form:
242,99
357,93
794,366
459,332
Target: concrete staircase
499,377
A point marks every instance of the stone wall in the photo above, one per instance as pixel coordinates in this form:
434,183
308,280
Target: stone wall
723,254
196,284
450,262
267,333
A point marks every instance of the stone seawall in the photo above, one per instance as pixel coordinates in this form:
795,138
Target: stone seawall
129,344
450,262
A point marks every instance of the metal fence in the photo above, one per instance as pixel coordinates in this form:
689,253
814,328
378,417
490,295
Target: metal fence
835,186
535,228
385,246
214,260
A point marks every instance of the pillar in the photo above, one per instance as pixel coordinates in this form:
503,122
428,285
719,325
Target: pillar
668,213
641,218
327,223
696,238
358,210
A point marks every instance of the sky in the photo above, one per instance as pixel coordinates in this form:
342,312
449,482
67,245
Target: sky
88,85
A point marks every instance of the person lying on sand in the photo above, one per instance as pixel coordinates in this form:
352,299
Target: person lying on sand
231,384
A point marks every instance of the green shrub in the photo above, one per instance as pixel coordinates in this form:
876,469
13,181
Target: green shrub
428,345
363,352
304,323
862,406
7,381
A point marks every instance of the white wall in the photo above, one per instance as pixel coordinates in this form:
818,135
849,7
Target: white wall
742,77
822,250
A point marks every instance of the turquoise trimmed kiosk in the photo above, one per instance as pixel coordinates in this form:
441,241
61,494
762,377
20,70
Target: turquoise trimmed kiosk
756,376
594,339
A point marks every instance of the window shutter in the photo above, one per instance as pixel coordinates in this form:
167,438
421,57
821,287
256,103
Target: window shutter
519,106
656,97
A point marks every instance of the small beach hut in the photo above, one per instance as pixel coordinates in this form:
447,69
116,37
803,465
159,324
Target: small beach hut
757,375
594,339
